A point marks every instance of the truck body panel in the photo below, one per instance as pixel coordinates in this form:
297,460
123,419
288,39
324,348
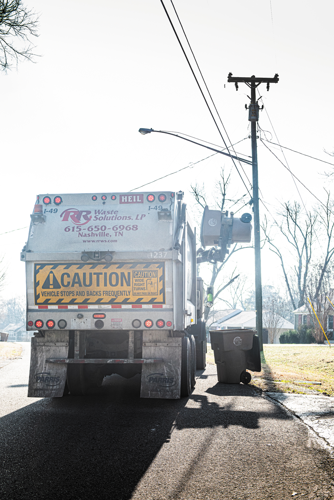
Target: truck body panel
111,285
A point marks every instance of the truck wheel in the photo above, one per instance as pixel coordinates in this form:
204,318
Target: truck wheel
193,361
76,380
201,355
186,368
245,377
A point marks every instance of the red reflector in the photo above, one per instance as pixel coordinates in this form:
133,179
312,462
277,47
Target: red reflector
46,200
94,198
160,323
30,323
103,197
151,198
162,197
169,323
99,315
113,197
172,195
58,200
50,323
39,323
148,323
38,209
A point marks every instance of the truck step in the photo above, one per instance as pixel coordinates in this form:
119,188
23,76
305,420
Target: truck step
104,361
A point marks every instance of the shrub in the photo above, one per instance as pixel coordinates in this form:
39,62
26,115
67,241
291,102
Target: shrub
304,335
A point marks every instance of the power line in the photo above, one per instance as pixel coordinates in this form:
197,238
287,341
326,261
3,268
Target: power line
13,230
300,153
207,89
211,143
184,168
199,86
289,170
286,161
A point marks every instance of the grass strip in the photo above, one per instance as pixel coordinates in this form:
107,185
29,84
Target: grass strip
10,350
294,368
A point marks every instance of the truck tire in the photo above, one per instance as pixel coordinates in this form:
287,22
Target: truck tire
193,361
201,355
186,368
76,379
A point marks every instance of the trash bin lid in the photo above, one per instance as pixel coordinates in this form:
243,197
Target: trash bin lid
235,340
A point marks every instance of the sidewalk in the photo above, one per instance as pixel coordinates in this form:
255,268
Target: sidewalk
317,412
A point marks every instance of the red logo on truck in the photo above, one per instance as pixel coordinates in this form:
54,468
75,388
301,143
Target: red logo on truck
131,198
78,217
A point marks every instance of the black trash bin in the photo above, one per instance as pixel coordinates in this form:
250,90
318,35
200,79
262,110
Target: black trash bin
235,351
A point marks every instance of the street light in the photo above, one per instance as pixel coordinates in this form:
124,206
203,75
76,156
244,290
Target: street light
145,131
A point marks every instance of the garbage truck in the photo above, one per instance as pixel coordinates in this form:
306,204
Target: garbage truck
112,288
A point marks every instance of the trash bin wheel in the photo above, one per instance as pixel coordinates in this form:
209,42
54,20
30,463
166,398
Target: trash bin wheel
193,361
245,377
186,368
201,355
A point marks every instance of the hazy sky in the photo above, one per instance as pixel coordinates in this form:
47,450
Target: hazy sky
69,122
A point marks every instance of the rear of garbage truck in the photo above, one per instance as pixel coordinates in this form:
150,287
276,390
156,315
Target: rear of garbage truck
111,289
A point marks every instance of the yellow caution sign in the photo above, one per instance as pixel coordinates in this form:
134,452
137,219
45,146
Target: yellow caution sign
109,283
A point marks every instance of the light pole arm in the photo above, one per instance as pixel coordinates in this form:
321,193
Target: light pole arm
145,131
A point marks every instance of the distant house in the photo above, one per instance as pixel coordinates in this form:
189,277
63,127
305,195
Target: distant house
303,317
17,332
236,318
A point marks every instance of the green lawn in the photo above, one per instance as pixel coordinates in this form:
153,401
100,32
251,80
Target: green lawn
293,368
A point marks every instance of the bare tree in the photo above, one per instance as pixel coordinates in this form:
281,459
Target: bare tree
3,272
273,319
318,289
219,201
236,284
298,232
17,25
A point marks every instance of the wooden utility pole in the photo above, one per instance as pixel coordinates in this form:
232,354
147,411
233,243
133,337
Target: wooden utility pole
253,82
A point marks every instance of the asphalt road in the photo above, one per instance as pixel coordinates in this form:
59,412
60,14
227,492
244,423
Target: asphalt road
224,442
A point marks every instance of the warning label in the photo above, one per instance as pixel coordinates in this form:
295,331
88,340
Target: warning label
109,283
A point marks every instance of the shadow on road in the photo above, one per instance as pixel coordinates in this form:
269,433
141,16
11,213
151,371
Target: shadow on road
102,444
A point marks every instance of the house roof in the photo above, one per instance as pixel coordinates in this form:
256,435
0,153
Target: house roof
301,310
246,319
14,327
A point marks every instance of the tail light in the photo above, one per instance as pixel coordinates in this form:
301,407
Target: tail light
39,323
162,197
94,198
62,323
99,316
103,197
160,323
57,200
50,323
113,197
150,198
46,200
38,209
136,323
148,323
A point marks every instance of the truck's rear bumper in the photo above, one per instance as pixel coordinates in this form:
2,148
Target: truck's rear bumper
104,361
